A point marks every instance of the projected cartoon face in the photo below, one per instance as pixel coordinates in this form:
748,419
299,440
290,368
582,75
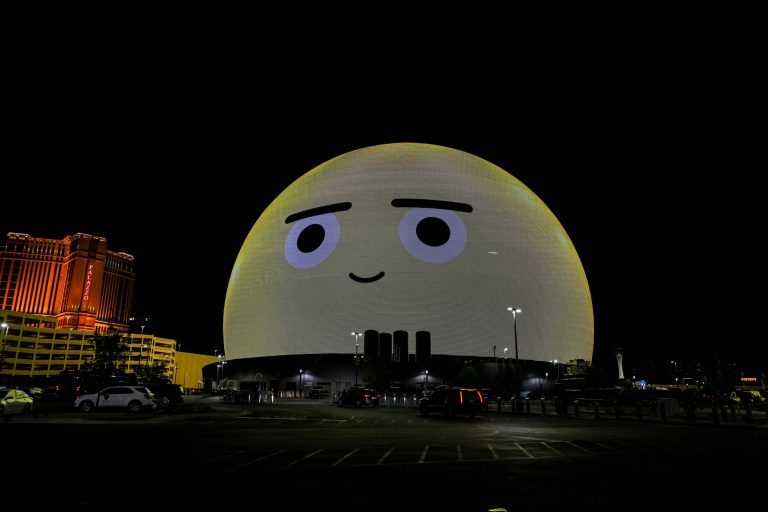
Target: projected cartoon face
408,237
430,230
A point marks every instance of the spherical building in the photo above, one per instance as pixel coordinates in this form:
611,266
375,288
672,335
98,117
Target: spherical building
408,238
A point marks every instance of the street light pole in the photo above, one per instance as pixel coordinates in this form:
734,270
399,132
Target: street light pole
5,326
141,357
301,391
219,371
357,347
515,311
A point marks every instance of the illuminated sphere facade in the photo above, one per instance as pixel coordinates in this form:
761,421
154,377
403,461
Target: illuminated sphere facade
409,237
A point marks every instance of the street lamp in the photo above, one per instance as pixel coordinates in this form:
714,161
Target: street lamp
557,369
546,382
301,391
5,326
426,379
357,347
141,357
515,311
219,371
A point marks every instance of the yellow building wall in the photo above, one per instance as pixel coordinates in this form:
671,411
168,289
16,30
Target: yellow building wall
33,348
189,369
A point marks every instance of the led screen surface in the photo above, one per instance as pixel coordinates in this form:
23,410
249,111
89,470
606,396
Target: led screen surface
411,237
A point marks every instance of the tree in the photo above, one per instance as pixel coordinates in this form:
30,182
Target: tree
109,351
468,377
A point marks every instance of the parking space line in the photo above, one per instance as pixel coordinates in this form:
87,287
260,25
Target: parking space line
301,459
345,457
385,456
524,450
553,449
254,461
217,459
493,452
608,447
630,445
423,454
579,447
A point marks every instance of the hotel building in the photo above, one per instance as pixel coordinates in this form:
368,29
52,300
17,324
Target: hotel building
56,294
77,280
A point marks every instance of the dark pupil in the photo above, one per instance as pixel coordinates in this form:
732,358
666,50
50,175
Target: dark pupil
433,231
310,238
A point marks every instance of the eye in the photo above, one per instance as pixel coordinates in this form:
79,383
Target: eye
310,241
433,235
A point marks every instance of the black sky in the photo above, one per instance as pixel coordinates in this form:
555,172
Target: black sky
169,132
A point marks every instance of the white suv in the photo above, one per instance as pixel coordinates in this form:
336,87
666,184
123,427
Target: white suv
132,397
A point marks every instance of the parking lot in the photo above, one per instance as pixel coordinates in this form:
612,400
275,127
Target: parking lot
313,455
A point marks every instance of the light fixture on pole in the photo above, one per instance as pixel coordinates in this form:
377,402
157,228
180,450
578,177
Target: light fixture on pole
515,311
219,371
5,326
301,390
426,379
141,357
357,347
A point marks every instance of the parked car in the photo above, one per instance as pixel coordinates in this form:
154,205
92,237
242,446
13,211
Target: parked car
167,394
359,397
131,397
452,401
318,392
34,392
15,401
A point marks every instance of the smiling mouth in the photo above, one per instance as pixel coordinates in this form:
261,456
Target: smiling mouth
366,279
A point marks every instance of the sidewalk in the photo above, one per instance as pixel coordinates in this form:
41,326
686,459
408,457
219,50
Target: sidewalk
590,410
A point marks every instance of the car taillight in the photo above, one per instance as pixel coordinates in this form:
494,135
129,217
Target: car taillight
480,397
366,396
461,397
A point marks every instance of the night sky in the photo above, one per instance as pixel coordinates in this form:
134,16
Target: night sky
169,132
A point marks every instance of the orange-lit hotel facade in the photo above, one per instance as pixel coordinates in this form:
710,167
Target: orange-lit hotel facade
76,280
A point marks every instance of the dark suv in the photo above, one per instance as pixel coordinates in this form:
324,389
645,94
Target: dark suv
359,397
318,392
452,401
167,394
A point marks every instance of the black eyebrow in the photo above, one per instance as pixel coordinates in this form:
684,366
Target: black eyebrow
431,203
329,208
